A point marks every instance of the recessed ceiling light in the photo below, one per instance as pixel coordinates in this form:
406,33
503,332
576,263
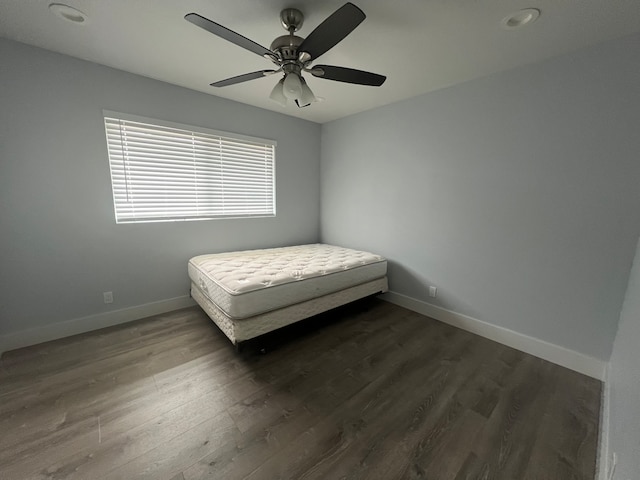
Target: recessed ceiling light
520,19
68,13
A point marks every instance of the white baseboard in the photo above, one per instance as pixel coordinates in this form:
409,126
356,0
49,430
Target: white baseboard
603,460
562,356
75,326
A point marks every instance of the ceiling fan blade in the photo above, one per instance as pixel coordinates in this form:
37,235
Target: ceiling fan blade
347,75
330,32
229,35
243,78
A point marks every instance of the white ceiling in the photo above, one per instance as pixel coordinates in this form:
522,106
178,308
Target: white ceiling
420,45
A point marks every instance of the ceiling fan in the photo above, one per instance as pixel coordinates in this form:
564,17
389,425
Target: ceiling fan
294,55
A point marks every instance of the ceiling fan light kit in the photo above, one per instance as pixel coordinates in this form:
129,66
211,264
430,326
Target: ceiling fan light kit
293,55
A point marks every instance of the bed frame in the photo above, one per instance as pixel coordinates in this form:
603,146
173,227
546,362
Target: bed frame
240,330
282,285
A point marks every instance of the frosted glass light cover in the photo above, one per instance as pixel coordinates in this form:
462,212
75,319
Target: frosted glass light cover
307,97
277,94
292,86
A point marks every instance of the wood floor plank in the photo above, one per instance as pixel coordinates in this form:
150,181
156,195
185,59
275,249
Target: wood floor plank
96,461
454,449
522,405
368,391
40,421
432,408
568,434
23,458
140,363
170,458
298,396
43,360
66,400
372,403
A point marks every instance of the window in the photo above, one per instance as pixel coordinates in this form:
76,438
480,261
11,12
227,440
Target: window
165,172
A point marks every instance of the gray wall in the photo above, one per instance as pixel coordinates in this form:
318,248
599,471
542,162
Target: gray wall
516,194
624,383
60,247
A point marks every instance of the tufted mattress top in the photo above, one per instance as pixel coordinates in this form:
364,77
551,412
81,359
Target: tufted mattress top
247,283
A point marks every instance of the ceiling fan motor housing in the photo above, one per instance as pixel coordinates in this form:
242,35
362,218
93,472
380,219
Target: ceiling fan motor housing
286,46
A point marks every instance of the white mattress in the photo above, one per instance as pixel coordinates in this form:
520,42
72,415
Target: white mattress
245,329
248,283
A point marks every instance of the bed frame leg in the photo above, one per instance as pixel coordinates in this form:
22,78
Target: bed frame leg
238,347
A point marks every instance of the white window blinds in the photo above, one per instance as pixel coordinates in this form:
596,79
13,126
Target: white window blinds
167,172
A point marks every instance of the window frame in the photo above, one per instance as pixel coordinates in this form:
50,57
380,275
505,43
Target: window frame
221,137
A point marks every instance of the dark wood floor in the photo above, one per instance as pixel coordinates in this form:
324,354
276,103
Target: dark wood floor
368,391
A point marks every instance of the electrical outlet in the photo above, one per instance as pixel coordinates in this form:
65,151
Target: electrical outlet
108,297
433,291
